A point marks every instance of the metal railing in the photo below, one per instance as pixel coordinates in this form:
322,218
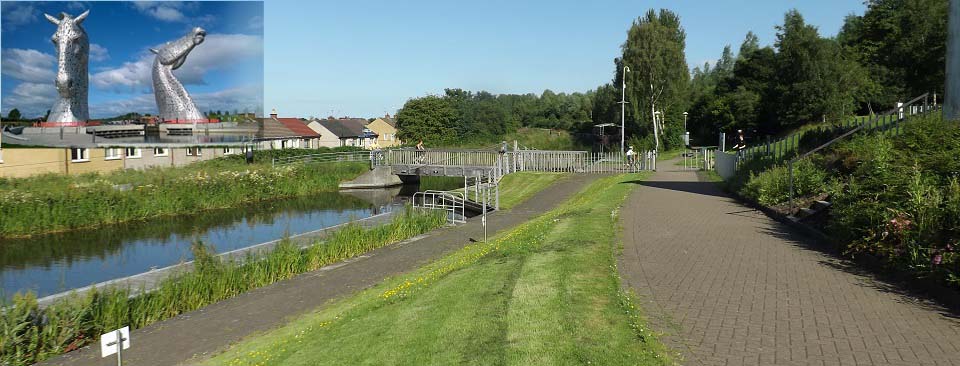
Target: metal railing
700,158
526,160
333,157
451,201
882,122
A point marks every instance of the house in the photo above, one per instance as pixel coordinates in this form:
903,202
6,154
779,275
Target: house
348,132
26,162
386,129
286,133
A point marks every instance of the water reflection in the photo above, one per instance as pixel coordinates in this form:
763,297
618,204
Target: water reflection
57,262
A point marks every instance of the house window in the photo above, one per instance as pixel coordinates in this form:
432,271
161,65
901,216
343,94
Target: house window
133,153
79,155
161,151
228,151
113,153
194,151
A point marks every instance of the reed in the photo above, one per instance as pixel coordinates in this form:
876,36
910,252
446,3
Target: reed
30,334
52,203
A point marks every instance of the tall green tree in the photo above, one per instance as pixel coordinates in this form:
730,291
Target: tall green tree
431,119
902,44
659,77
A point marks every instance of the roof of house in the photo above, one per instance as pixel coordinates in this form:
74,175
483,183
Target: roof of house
285,127
345,127
390,121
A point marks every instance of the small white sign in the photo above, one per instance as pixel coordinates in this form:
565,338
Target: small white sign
108,341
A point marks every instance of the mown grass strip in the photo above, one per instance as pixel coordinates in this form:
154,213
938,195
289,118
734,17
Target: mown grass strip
546,292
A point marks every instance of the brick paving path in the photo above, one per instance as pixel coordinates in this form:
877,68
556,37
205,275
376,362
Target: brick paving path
729,286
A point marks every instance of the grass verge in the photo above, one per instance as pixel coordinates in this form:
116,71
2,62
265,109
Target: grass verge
546,292
29,334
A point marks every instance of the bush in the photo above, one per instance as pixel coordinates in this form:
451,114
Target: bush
772,187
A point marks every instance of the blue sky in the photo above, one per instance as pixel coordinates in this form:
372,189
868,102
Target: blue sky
364,58
225,72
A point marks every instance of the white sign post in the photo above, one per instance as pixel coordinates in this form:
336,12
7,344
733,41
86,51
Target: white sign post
114,342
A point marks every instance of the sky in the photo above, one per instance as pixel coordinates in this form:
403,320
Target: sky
225,72
367,58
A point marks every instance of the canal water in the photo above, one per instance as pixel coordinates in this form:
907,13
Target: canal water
55,263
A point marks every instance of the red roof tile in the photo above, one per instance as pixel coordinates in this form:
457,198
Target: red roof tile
298,127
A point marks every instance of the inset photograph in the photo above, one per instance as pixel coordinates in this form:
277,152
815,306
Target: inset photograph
131,74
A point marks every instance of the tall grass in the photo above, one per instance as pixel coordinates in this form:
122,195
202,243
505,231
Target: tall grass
56,202
29,334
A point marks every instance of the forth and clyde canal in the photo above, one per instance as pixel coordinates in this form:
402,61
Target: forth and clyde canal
54,263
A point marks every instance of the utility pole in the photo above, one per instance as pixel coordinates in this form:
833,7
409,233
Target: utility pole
951,99
623,109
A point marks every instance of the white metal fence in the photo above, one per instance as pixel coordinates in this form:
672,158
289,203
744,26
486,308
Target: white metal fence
526,160
454,203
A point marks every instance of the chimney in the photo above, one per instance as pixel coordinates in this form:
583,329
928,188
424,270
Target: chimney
386,115
273,114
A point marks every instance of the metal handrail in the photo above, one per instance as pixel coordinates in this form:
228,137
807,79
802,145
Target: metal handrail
898,109
458,199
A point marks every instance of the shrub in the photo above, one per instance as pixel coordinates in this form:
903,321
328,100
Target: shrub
772,187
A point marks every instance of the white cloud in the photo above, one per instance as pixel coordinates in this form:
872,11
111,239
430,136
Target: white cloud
16,14
28,65
216,52
78,6
32,99
98,53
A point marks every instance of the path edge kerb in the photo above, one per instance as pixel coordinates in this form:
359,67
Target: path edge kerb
924,287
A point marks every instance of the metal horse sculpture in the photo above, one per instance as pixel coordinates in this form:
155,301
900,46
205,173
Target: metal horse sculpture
73,51
173,102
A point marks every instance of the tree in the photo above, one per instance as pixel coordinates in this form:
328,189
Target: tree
659,81
14,115
901,45
429,118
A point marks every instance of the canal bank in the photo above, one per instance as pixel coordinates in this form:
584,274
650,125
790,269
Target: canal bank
61,262
146,281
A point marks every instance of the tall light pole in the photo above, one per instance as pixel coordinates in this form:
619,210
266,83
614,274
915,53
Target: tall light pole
684,121
623,108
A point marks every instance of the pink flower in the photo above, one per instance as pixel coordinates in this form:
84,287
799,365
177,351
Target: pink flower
937,258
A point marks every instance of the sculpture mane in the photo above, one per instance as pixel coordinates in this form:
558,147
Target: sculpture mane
73,52
173,102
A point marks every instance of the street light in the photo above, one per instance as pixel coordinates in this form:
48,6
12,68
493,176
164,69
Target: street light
684,121
623,108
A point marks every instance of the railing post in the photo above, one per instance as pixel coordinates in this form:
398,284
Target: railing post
790,168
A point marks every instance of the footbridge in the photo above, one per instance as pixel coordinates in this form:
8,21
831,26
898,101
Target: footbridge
482,171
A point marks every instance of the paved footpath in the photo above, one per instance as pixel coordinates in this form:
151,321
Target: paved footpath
198,334
730,286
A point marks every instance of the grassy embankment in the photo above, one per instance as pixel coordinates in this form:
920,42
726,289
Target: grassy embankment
29,334
896,196
544,293
55,202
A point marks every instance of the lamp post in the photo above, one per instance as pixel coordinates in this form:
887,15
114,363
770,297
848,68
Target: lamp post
685,121
623,108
